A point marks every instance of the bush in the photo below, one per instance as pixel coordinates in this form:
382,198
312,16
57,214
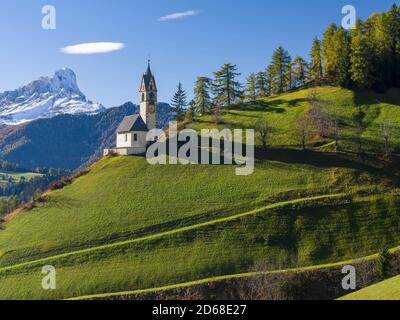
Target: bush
383,265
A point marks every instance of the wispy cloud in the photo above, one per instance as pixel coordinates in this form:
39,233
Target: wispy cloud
93,48
179,15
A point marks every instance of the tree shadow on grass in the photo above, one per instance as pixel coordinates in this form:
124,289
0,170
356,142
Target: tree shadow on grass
391,96
322,160
259,106
270,106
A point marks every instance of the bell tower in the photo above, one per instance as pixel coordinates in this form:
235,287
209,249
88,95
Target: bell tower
148,99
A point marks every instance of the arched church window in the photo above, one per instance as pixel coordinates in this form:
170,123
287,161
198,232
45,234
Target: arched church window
143,97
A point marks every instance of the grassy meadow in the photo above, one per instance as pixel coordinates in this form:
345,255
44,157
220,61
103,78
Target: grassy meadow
126,225
385,290
282,112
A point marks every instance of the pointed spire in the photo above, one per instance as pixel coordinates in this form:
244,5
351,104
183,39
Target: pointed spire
148,77
148,72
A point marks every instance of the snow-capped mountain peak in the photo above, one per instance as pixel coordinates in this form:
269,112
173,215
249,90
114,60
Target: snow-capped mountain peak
65,79
45,98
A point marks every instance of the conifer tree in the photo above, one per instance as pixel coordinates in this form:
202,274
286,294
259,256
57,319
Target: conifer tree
179,102
289,76
329,55
226,88
202,95
316,67
360,58
299,71
280,65
271,85
262,84
191,111
251,88
393,35
342,50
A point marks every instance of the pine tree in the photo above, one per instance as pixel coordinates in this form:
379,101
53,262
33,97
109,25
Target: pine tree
251,88
271,85
202,95
398,48
360,58
376,72
316,67
342,65
226,88
262,84
179,102
387,46
191,111
289,77
280,65
393,35
299,71
329,52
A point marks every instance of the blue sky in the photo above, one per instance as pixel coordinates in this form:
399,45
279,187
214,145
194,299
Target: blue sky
217,31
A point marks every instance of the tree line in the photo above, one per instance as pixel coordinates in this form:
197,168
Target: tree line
366,57
223,90
16,168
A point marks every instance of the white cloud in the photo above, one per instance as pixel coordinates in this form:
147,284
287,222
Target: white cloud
179,15
93,48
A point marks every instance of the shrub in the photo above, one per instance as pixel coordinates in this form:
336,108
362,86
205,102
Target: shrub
383,265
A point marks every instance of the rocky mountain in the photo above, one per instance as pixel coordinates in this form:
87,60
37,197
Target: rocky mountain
67,141
46,98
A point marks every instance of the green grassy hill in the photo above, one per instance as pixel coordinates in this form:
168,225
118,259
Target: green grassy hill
386,290
126,225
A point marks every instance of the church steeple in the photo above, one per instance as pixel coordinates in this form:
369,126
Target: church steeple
148,72
148,80
148,98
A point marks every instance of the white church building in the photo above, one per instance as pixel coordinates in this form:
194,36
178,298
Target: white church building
132,131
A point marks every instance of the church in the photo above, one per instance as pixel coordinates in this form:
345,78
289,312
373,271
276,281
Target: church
132,131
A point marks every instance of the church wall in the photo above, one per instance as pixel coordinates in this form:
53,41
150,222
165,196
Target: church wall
126,140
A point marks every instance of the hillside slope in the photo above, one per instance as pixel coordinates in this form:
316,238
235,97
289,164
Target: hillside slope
127,225
283,111
385,290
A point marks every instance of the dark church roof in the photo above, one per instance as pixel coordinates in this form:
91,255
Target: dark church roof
147,77
132,123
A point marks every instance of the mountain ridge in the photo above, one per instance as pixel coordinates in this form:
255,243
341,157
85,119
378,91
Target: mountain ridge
46,97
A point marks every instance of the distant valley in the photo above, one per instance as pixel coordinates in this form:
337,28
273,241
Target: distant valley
67,141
